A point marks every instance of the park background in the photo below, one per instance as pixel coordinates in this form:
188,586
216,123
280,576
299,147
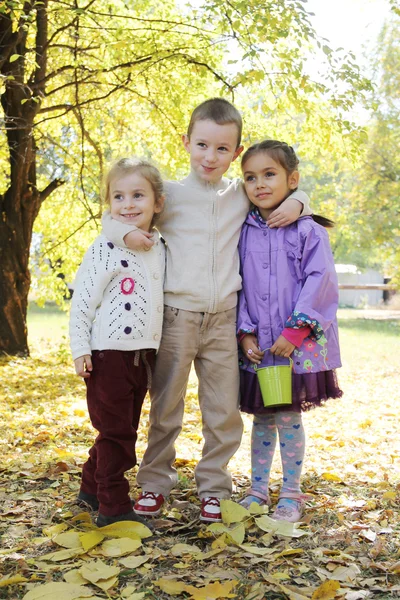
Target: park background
85,82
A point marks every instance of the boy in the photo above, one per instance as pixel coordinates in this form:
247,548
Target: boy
201,224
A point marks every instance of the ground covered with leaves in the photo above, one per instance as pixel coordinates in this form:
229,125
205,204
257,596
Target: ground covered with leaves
347,546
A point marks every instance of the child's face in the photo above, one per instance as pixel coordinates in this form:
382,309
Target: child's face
212,148
267,183
132,200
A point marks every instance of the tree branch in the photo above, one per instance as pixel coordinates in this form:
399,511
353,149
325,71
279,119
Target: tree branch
53,185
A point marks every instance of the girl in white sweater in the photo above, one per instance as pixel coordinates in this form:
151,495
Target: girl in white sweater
115,331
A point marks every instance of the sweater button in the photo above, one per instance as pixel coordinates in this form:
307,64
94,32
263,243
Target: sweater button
265,297
156,337
160,309
155,275
265,266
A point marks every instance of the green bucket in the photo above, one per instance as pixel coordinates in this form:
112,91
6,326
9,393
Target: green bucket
275,384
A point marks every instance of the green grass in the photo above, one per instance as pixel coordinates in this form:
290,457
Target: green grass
48,322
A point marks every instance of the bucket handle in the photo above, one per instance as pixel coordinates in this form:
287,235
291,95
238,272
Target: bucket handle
255,367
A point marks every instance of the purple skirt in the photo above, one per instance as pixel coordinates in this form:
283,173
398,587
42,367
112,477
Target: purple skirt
308,391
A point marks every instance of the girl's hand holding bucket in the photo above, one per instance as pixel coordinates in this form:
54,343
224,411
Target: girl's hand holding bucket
251,349
282,347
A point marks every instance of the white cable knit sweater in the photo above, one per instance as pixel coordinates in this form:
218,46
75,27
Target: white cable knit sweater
118,299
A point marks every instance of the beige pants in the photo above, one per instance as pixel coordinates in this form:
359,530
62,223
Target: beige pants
210,341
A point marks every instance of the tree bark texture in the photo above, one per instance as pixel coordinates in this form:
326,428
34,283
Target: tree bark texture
20,204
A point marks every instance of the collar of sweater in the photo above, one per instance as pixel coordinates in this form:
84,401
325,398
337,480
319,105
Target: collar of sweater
194,180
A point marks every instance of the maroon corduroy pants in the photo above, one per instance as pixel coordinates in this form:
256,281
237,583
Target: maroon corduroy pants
116,389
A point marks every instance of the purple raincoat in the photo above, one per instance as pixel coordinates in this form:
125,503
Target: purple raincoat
289,280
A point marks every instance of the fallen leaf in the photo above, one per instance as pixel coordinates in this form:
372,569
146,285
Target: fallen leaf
283,528
326,591
96,570
133,562
75,576
331,477
346,574
128,529
170,586
91,539
232,512
11,580
69,539
119,547
59,591
212,590
181,549
62,554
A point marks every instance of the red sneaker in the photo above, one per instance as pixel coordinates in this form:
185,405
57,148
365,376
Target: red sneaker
149,504
210,510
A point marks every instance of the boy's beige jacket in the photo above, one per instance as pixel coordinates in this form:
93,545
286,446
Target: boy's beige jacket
201,226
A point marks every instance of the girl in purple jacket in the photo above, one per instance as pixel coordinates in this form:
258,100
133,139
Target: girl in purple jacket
287,307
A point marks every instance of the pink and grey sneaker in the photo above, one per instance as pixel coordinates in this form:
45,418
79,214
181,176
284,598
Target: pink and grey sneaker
210,510
149,504
290,507
254,496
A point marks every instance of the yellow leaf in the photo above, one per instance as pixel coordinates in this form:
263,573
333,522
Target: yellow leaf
55,529
62,554
326,591
58,590
220,542
95,570
256,550
292,595
74,576
82,517
212,590
91,539
12,580
232,512
69,539
181,549
127,529
283,528
235,534
290,552
206,555
133,562
170,586
119,547
389,496
136,596
257,509
106,584
331,477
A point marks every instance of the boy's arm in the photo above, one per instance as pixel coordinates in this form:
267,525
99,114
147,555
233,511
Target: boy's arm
125,235
296,205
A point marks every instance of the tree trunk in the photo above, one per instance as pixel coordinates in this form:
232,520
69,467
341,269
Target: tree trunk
20,204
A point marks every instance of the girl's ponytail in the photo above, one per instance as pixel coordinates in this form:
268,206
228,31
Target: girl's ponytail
324,221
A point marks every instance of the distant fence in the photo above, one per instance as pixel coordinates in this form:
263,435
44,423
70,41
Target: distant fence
367,286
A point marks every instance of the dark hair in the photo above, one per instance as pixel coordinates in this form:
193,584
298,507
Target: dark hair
218,110
284,155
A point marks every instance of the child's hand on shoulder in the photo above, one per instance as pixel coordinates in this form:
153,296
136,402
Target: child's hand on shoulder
250,348
288,212
139,240
83,366
282,347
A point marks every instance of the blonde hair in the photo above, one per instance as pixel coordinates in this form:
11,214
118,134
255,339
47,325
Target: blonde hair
124,166
218,110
